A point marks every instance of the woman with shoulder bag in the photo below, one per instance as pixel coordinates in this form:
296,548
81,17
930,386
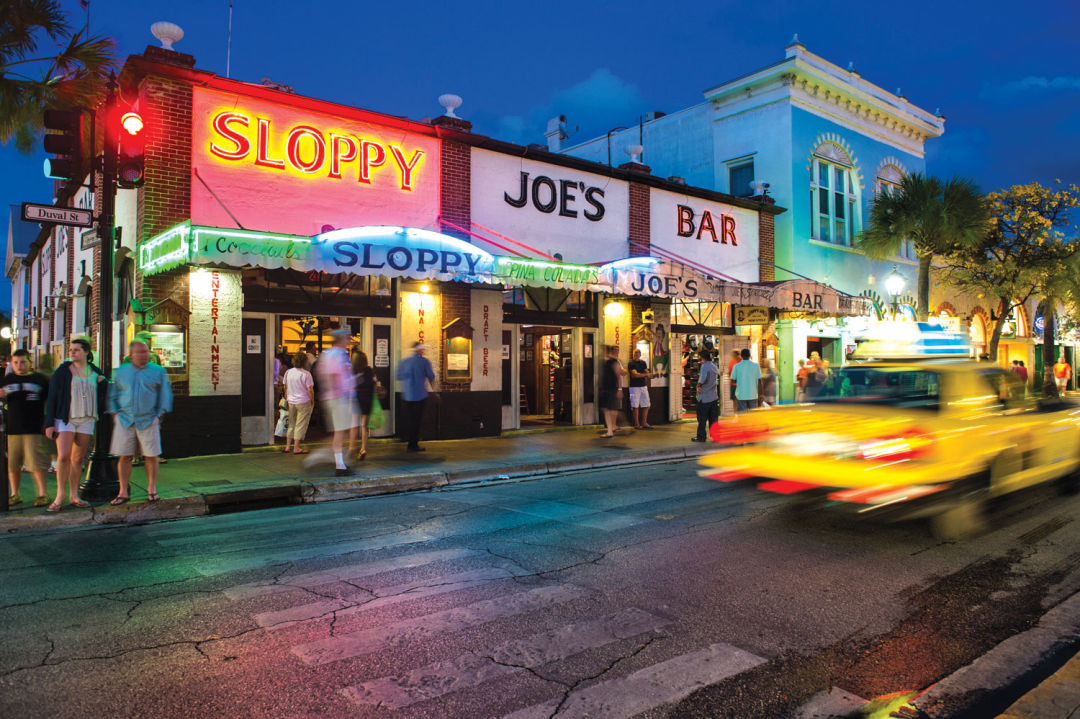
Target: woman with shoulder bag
365,395
76,396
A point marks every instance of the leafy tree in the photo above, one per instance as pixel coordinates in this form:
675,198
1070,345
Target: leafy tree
44,64
936,217
1025,254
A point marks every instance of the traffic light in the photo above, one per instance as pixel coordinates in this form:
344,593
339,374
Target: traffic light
63,138
131,159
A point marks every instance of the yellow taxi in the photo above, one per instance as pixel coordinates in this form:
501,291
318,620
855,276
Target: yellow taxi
917,431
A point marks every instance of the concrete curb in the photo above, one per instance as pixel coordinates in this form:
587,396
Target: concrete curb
1012,661
304,490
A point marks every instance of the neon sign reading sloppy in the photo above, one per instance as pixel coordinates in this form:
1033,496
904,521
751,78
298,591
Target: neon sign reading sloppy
308,150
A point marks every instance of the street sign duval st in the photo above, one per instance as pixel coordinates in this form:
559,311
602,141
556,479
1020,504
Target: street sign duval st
57,215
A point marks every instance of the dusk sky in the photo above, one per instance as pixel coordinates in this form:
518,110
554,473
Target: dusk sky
1003,73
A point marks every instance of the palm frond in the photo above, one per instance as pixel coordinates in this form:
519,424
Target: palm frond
22,20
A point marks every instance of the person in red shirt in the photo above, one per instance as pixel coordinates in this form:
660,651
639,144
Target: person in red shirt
736,358
1021,371
1062,373
800,381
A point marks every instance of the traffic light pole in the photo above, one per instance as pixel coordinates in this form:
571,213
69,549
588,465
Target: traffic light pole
101,481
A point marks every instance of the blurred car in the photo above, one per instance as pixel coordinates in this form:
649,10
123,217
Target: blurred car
906,438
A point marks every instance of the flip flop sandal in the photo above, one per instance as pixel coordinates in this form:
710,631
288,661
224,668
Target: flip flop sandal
300,451
152,497
120,500
79,503
54,508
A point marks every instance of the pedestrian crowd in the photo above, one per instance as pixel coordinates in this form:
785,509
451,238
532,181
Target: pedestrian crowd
60,414
350,397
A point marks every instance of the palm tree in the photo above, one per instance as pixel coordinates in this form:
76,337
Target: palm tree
1060,287
68,71
937,217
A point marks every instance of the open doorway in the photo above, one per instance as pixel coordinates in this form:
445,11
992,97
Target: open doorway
546,392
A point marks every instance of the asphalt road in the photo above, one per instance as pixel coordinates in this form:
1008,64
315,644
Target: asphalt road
641,591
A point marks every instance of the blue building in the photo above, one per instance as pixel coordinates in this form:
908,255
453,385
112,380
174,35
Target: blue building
822,142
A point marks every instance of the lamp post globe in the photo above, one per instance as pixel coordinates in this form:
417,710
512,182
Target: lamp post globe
894,285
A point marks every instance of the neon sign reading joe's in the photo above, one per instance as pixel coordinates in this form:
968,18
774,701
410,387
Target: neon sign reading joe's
307,150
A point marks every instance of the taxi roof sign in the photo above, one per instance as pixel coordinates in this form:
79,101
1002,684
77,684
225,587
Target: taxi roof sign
912,340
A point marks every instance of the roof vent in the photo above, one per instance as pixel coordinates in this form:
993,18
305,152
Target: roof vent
267,82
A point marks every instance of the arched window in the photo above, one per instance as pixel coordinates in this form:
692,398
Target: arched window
889,178
834,195
887,182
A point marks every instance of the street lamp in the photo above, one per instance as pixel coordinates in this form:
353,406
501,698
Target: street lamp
894,285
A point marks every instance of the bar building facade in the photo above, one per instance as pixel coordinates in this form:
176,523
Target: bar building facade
268,219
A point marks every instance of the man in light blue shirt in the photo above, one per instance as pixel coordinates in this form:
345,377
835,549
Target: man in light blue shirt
415,374
708,409
746,375
139,395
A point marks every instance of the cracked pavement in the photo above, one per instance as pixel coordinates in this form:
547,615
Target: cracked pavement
532,599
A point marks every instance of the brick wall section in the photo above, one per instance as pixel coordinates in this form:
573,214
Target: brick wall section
456,178
165,200
175,285
456,302
766,246
638,304
639,221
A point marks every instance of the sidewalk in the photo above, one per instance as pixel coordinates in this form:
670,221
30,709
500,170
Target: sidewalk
265,477
1057,697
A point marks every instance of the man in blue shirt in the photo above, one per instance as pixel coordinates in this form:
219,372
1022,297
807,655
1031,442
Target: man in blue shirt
415,374
746,375
139,395
708,408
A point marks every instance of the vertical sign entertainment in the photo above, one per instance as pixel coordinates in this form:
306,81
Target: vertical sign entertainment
215,333
487,325
215,341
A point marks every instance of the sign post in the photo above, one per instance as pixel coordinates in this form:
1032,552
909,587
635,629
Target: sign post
101,481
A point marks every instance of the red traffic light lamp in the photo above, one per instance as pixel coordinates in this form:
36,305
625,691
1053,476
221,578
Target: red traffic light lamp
63,138
132,122
131,155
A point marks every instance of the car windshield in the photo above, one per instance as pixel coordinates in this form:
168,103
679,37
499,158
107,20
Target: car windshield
887,386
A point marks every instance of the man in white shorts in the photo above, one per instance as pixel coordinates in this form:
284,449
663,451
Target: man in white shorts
138,396
336,388
639,391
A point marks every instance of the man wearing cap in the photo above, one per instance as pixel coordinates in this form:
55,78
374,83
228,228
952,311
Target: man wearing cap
335,391
415,374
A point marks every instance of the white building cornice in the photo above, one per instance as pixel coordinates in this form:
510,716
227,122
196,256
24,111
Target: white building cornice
841,96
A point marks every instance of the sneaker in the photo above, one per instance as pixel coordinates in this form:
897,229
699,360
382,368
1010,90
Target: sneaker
347,472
